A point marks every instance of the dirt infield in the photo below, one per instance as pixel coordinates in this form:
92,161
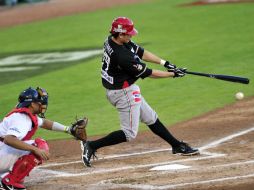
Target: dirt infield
224,136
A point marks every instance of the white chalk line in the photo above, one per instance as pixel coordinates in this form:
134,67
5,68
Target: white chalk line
54,172
234,164
110,185
137,166
210,167
91,171
215,143
107,157
211,155
210,145
118,156
155,187
200,168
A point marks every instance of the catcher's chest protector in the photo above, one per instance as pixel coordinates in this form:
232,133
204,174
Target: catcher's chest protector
33,118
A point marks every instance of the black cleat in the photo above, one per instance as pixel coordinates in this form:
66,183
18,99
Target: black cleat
185,150
87,153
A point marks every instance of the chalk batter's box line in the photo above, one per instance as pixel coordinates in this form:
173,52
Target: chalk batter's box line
208,156
202,149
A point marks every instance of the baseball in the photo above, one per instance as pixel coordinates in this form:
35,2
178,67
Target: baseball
239,95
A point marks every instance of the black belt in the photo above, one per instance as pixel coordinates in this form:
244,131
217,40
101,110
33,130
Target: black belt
1,139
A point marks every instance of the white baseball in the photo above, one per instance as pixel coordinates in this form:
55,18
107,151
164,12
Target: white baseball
239,95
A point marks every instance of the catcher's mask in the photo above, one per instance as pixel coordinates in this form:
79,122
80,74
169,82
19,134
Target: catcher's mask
34,95
123,25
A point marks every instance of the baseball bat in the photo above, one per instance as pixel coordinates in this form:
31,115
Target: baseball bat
222,77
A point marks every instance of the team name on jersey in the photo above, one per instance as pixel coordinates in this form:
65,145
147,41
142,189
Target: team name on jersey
108,78
14,129
107,48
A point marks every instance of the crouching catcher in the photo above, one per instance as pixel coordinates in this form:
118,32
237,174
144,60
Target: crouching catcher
18,153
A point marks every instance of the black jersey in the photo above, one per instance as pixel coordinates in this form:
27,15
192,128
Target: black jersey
121,64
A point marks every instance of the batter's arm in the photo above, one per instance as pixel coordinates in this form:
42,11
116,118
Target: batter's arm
150,57
161,74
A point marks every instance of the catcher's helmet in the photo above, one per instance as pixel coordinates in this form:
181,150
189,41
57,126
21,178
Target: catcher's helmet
32,95
123,25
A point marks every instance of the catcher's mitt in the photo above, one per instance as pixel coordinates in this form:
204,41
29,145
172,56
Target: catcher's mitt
78,129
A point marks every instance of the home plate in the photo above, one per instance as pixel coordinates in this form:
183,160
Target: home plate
170,167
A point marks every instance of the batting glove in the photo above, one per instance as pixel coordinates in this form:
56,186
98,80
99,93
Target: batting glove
179,72
169,65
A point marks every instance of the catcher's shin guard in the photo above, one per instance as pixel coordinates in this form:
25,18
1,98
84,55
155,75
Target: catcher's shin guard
20,170
22,167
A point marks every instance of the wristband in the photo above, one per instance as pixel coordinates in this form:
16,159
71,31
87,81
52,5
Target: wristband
162,62
59,127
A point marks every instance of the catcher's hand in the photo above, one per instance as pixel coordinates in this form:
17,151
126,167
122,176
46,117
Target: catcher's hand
78,129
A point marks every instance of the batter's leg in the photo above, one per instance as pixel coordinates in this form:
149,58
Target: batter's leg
150,118
159,129
128,102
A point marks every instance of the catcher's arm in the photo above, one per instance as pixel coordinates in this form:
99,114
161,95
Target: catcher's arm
77,129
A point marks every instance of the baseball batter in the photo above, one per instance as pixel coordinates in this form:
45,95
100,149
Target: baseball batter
122,66
18,153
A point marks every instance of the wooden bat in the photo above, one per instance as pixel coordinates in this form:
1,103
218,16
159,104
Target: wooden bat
222,77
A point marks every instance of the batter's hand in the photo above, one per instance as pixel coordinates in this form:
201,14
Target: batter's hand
179,72
169,65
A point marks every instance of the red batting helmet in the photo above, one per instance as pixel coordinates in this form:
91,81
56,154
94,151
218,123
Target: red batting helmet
123,25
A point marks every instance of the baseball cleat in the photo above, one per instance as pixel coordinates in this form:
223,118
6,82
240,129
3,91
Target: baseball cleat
1,186
4,186
87,153
185,150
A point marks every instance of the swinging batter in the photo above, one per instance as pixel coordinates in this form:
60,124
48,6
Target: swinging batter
122,66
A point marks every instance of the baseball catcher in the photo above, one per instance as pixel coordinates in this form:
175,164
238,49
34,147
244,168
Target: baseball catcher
19,154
